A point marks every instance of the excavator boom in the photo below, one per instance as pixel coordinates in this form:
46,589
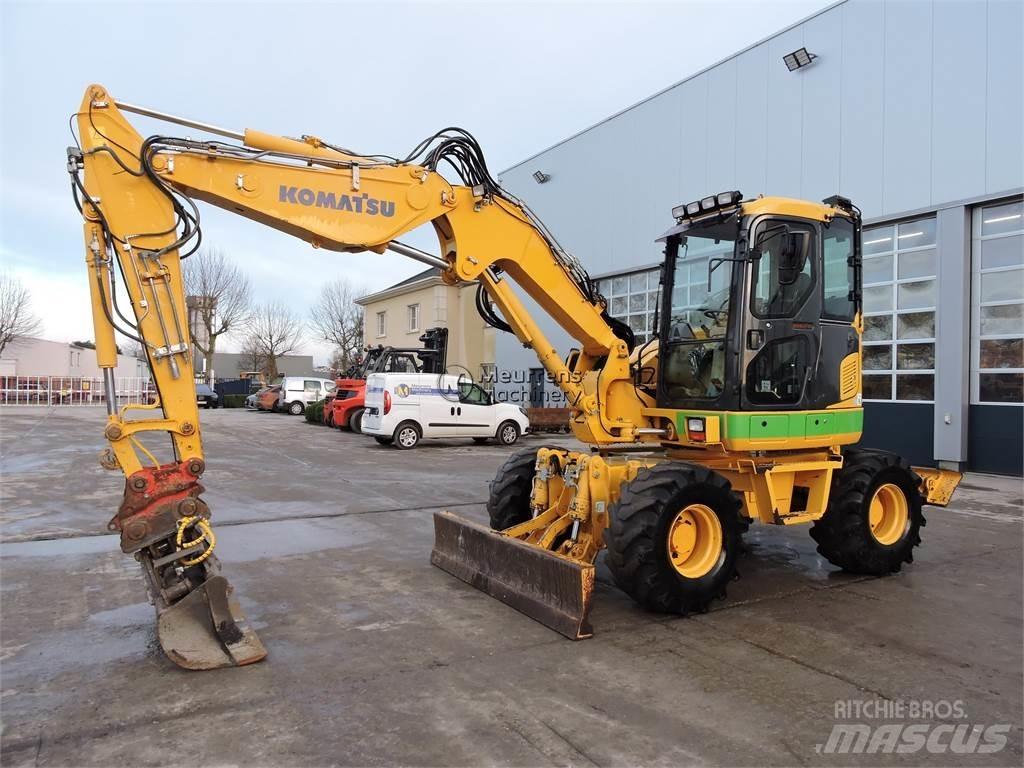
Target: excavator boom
137,198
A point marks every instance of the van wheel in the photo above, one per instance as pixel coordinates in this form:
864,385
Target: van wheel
407,435
355,421
508,433
383,440
296,408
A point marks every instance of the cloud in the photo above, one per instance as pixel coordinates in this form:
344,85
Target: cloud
60,299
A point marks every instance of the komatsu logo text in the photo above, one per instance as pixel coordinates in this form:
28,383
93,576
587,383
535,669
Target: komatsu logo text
370,206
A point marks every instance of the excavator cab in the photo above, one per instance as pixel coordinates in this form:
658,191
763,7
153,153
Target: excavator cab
761,306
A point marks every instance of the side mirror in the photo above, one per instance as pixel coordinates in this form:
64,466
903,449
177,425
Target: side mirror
793,256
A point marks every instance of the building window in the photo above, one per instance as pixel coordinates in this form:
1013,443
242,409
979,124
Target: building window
382,324
632,299
899,311
414,317
441,304
997,304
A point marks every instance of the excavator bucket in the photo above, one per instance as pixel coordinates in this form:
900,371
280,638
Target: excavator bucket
551,589
206,629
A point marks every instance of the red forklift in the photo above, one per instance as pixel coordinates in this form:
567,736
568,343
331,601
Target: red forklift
345,410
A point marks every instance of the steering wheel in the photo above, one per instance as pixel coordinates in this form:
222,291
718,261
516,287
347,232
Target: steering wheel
714,314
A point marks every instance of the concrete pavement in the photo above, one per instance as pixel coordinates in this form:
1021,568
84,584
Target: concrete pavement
376,658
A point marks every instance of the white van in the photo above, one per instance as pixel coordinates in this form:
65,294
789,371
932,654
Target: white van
403,408
298,391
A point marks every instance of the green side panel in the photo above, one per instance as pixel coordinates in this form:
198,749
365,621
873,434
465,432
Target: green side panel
776,425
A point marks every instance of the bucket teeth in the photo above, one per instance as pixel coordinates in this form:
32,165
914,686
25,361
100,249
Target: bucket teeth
551,589
206,629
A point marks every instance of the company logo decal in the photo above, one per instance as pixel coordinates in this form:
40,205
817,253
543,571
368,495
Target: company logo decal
363,203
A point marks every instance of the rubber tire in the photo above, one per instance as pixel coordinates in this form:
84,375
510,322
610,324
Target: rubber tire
296,408
844,534
638,530
508,502
355,421
329,417
383,439
400,428
481,440
500,434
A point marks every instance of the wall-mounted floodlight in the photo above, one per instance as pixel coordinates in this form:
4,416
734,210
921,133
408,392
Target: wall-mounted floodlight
798,58
540,177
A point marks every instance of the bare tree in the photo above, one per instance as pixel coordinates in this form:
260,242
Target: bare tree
219,299
337,319
274,331
16,317
252,358
132,348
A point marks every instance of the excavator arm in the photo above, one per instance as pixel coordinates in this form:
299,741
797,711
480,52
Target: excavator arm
137,198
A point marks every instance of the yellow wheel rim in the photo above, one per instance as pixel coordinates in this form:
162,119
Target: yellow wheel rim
695,541
889,515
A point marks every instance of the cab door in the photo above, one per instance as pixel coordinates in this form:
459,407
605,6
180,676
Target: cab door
798,318
780,344
476,412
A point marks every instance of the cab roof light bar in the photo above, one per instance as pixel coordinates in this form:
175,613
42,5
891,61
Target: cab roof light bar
707,205
840,202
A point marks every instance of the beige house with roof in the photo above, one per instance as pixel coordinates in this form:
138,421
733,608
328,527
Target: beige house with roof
398,316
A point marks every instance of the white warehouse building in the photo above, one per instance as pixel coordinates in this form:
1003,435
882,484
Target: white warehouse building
911,109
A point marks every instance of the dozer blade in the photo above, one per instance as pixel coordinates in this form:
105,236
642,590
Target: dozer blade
550,589
206,629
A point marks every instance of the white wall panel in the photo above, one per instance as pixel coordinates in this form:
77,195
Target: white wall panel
653,157
1005,123
785,117
861,167
822,126
722,128
752,111
958,111
908,106
693,136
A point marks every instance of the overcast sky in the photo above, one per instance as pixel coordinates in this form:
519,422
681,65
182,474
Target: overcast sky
377,77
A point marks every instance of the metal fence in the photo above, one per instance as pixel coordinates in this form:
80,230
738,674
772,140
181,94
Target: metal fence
72,390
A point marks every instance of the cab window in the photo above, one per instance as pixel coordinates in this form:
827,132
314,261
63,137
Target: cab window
471,393
783,272
838,279
311,385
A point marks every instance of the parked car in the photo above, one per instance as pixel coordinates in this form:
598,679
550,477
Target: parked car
403,408
267,399
206,397
296,392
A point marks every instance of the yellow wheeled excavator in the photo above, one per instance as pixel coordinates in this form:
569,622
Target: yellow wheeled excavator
746,407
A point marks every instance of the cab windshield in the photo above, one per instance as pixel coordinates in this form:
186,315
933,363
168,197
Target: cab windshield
700,311
696,355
